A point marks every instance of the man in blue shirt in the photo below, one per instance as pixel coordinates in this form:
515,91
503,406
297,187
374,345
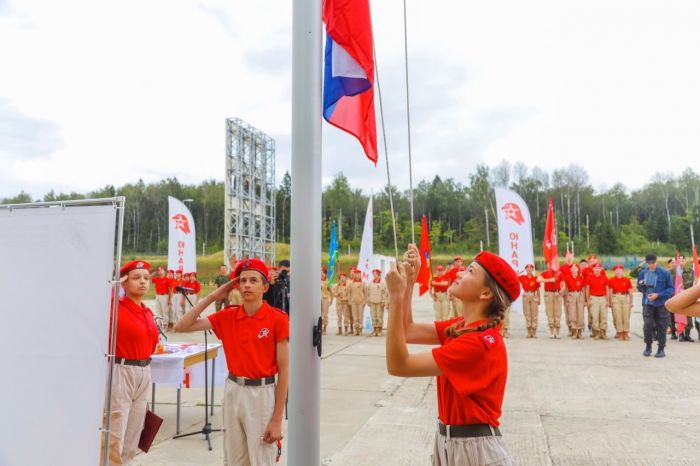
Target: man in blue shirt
656,285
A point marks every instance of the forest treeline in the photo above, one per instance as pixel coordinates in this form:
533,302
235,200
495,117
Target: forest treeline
462,216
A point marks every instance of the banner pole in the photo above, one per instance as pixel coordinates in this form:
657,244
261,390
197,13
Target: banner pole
119,204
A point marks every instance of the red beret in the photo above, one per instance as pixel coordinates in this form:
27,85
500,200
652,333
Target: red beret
343,274
618,267
593,257
252,264
501,272
194,274
457,258
440,267
324,269
186,274
171,271
134,265
179,271
598,265
376,271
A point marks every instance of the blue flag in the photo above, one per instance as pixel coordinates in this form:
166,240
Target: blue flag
332,254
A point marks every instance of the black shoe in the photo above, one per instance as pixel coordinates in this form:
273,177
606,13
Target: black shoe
660,353
688,339
674,337
647,351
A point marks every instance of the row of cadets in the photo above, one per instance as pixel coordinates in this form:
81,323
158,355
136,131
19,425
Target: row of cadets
378,299
340,293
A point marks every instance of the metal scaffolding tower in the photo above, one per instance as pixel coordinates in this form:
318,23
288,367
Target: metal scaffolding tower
250,193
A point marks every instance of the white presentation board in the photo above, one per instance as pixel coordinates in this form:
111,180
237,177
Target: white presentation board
56,267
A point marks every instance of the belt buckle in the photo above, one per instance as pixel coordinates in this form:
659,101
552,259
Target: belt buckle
493,432
447,432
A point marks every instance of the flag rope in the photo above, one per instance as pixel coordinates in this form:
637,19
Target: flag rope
386,151
408,122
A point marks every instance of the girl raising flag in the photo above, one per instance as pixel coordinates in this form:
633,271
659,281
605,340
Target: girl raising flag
470,364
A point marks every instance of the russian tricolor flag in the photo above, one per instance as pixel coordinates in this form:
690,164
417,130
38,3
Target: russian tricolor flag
348,85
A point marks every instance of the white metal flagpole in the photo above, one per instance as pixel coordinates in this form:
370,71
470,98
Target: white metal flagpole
305,367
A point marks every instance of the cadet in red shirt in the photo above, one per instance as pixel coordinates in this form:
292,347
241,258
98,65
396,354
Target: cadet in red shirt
162,288
531,299
255,337
552,299
471,362
136,339
598,302
620,289
575,298
438,290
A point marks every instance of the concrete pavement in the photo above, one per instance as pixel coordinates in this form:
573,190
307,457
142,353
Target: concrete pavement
568,402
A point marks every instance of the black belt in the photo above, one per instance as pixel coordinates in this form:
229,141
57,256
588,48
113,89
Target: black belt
133,362
469,430
252,382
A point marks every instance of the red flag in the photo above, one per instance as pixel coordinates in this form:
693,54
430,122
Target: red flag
549,244
424,273
680,320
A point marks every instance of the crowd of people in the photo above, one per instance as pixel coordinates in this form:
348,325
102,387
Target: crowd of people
471,305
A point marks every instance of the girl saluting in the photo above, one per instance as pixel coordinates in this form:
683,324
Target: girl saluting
470,364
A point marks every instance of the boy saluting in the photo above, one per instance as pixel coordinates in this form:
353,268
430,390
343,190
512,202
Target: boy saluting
255,337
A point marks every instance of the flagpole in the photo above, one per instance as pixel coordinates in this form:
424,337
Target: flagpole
304,364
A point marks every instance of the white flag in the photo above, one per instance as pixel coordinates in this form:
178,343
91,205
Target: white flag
514,234
182,246
365,263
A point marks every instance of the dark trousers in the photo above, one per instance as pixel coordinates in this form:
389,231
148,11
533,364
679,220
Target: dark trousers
655,322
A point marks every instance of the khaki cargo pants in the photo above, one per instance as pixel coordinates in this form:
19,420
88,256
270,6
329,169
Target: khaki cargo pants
597,307
130,386
552,305
441,306
377,313
247,411
530,309
476,451
621,312
325,304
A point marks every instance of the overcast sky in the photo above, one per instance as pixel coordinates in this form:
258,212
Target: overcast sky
95,93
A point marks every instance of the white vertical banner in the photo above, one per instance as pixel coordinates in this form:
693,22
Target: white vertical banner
366,260
182,245
514,233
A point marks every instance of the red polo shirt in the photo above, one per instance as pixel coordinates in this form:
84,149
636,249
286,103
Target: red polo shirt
440,278
565,270
597,286
162,285
137,334
555,285
474,371
250,341
529,283
620,285
575,283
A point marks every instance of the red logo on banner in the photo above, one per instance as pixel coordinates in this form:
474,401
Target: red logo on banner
513,212
182,223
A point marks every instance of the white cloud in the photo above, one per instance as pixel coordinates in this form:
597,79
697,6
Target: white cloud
139,89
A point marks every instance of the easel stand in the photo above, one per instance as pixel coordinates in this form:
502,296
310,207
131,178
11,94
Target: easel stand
206,429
